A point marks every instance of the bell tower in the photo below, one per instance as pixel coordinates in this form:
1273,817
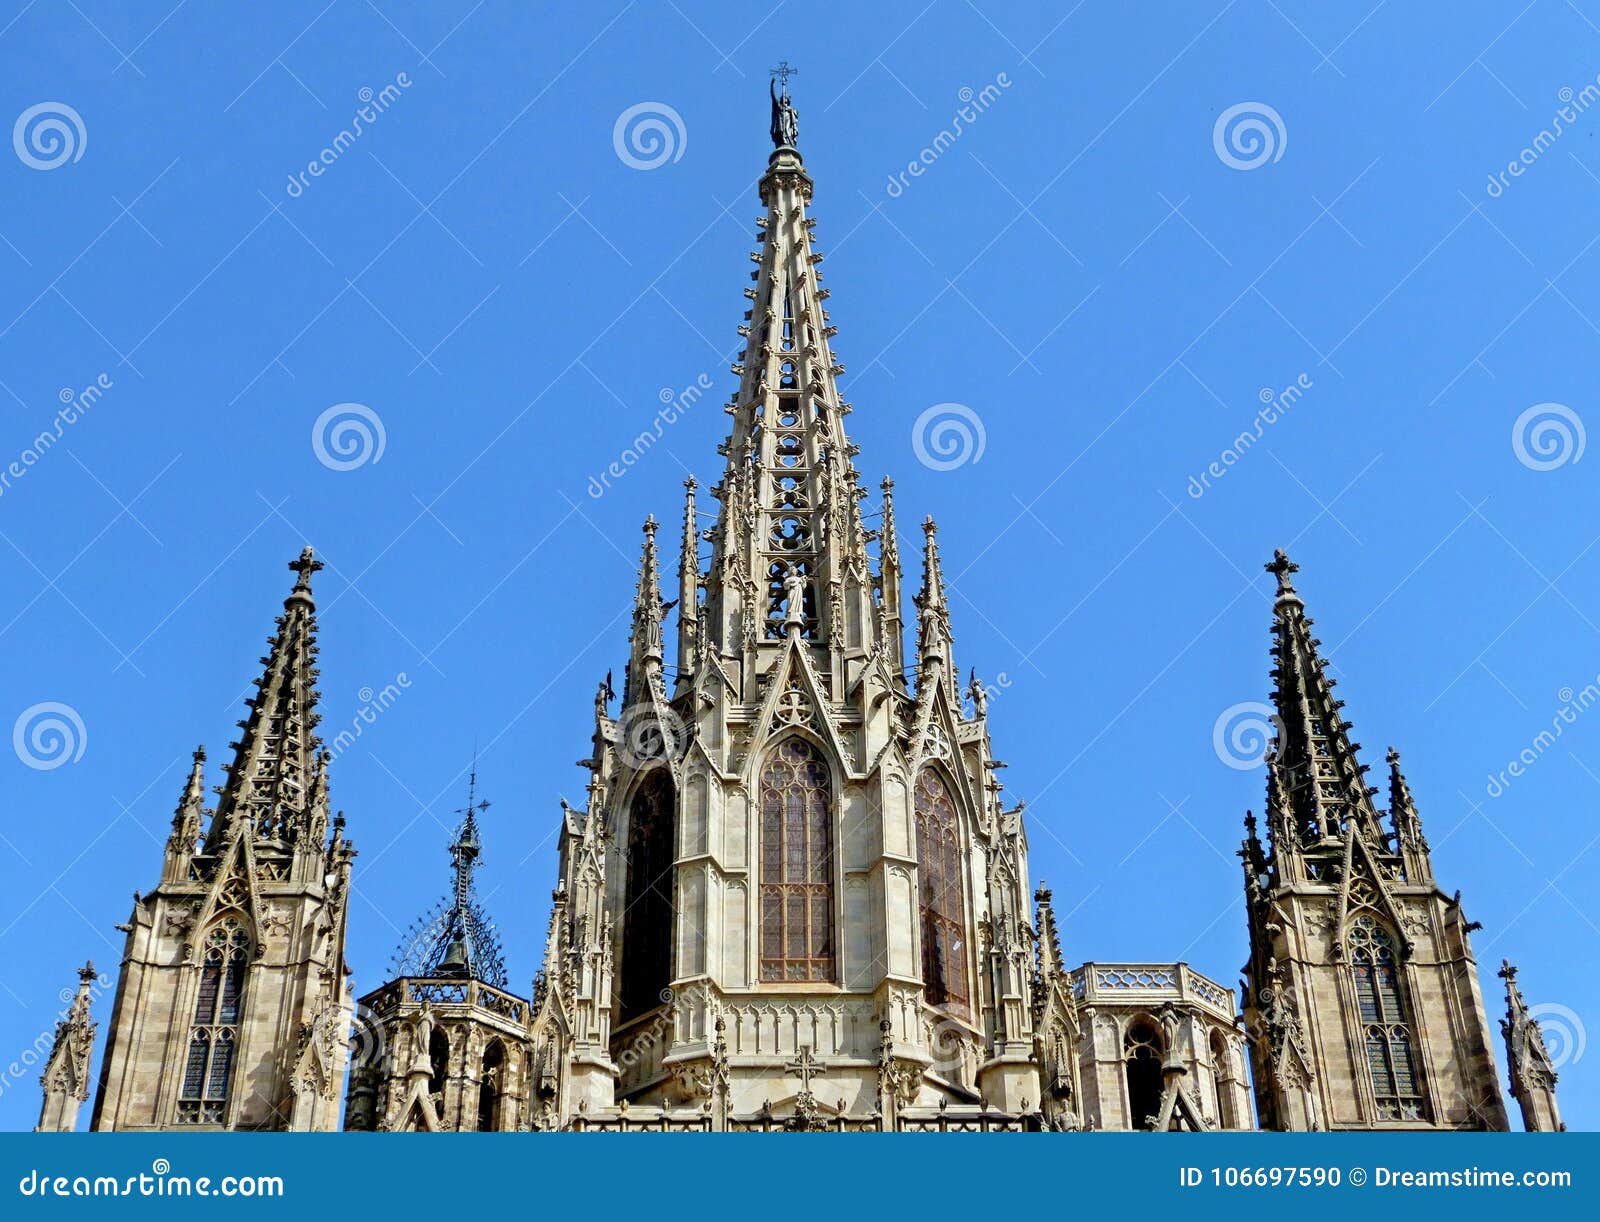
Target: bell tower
1361,995
232,1006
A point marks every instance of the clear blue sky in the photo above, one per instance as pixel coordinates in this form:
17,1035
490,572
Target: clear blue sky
1080,267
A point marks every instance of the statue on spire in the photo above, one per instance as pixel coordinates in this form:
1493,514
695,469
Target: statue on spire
785,119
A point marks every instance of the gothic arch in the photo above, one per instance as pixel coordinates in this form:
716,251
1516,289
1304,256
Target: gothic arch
225,951
491,1086
797,784
1389,1046
648,893
1223,1071
942,892
1143,1050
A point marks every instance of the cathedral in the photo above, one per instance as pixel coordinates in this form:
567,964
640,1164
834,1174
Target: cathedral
795,898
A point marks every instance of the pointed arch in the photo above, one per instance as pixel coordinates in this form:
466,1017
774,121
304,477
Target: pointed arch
1222,1081
647,915
942,901
1385,1016
491,1086
796,830
1142,1053
214,1030
438,1061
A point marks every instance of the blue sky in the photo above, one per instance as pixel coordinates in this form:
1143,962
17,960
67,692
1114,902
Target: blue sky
1106,282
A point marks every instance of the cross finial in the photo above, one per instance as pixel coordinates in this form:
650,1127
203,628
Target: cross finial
1281,567
783,72
306,565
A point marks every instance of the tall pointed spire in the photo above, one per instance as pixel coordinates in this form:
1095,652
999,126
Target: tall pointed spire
1533,1071
645,658
934,659
1407,822
187,821
689,588
1325,781
269,780
66,1069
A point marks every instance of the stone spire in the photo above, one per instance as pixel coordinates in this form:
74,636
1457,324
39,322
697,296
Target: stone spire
187,821
66,1070
1325,783
789,520
934,661
1533,1073
889,577
689,589
1407,822
645,658
269,781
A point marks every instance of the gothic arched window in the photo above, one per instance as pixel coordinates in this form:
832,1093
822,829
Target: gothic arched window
647,904
214,1034
490,1087
1222,1081
796,865
1390,1048
941,871
438,1061
1141,1054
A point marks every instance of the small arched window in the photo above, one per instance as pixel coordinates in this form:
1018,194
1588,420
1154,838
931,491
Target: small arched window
647,911
1141,1054
796,865
214,1033
1390,1047
490,1086
1222,1081
438,1061
943,899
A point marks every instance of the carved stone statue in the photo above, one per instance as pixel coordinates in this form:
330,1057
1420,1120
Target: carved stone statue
785,119
794,599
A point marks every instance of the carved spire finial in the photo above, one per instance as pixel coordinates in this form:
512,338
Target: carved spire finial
1281,567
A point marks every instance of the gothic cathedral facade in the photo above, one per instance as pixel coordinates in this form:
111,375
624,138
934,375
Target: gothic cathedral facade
795,898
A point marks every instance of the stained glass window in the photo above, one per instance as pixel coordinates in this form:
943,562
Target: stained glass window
943,899
1390,1049
214,1034
796,865
647,914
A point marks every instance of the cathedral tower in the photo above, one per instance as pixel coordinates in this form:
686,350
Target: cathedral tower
795,898
232,1006
443,1047
1361,994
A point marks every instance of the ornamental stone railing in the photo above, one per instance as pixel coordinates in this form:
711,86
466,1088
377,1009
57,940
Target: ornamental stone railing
1150,984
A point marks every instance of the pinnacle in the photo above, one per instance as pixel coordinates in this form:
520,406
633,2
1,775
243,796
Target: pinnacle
1281,567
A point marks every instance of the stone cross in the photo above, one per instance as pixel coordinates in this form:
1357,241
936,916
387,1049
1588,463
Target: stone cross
806,1065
